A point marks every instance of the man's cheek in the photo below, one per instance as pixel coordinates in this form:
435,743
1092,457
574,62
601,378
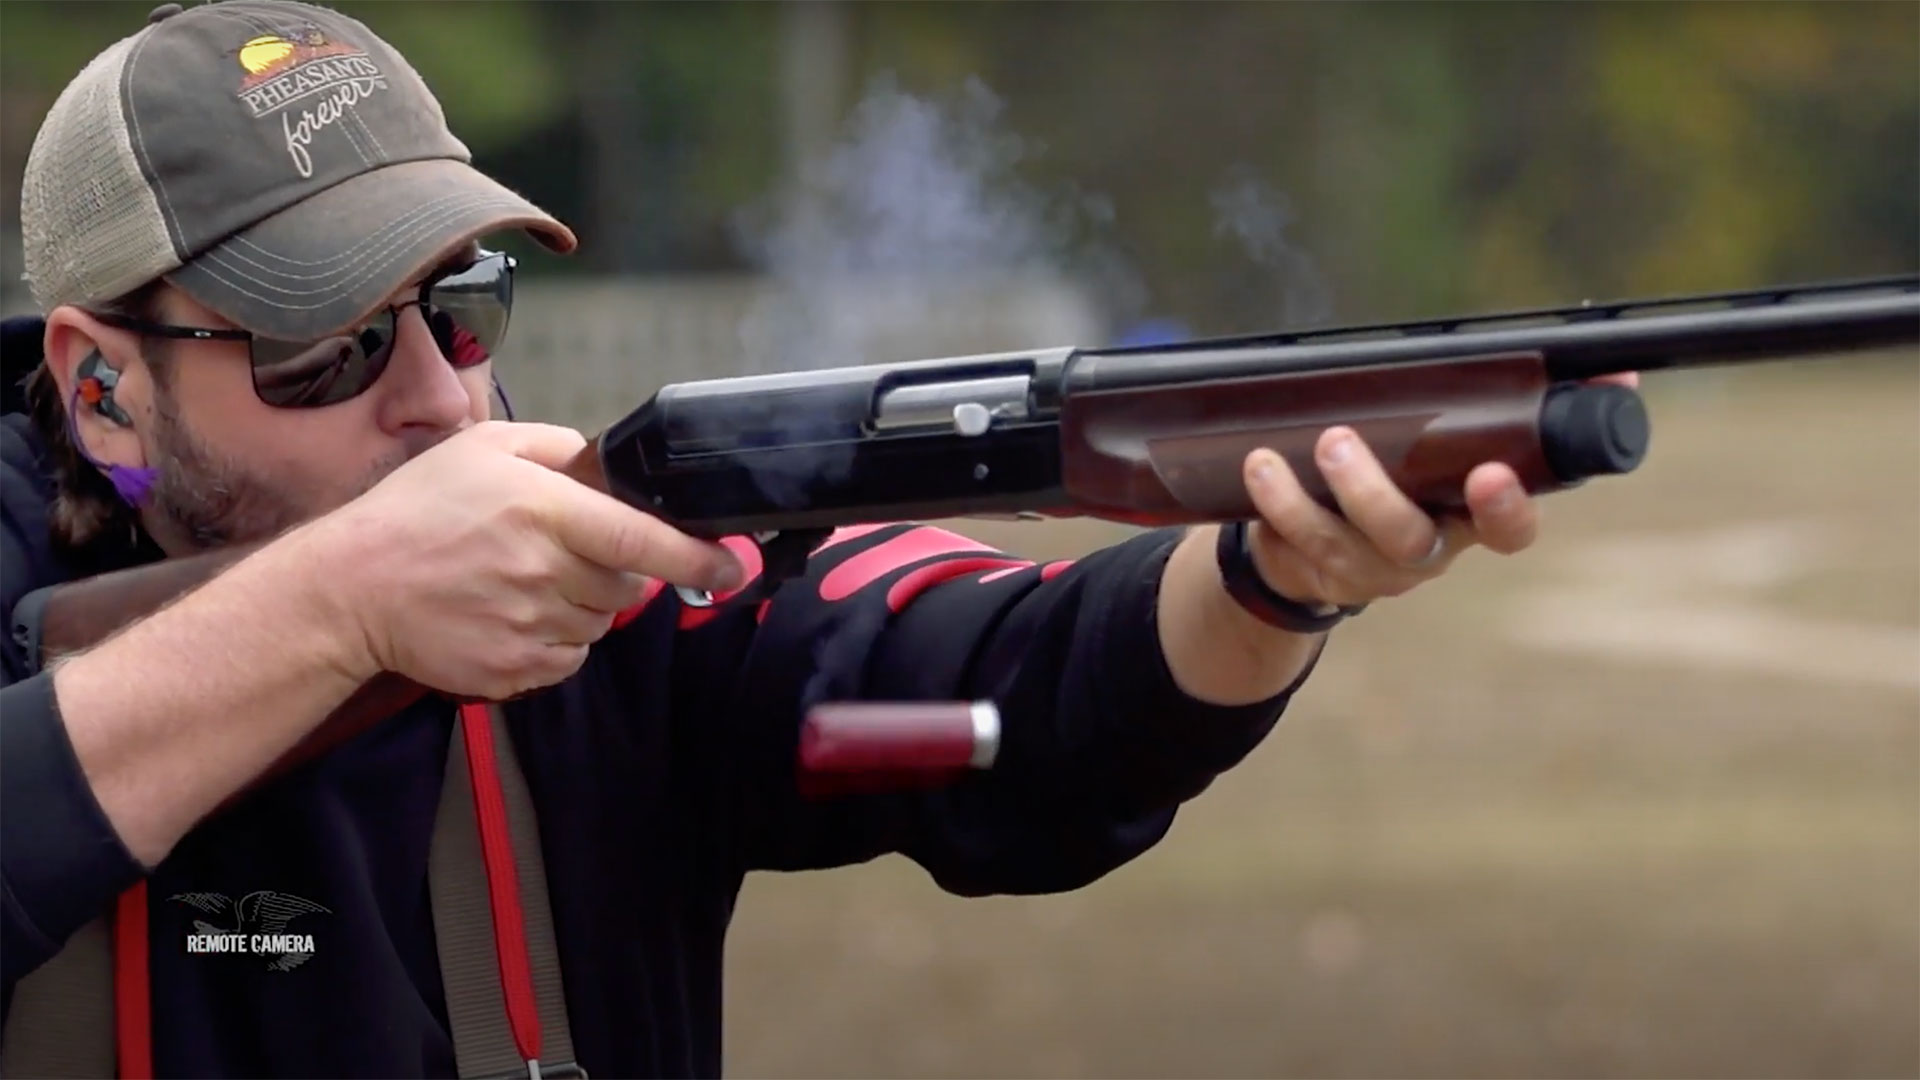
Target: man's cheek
481,404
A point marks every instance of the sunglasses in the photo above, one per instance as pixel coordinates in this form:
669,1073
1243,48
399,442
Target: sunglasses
465,308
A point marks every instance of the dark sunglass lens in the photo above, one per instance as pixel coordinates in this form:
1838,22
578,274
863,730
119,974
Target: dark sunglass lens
309,374
469,310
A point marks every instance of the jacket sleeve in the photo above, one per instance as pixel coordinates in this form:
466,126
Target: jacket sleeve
61,863
1099,745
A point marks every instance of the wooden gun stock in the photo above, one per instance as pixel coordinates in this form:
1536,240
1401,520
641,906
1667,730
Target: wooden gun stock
1158,456
80,614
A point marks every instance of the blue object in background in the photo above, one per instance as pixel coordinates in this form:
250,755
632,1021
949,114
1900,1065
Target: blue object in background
1154,332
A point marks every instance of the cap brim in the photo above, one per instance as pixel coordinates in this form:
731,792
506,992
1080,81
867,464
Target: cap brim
320,265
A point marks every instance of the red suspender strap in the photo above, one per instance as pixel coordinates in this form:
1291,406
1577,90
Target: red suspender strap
499,961
132,987
503,882
515,981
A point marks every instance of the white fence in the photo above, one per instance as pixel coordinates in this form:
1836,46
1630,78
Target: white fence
584,353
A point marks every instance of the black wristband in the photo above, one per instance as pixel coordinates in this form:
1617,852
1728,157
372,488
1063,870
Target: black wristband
1251,591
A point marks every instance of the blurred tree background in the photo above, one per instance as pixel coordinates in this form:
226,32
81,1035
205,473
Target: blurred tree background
1423,157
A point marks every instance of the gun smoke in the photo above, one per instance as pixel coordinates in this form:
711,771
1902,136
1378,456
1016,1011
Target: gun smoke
920,206
1256,217
922,197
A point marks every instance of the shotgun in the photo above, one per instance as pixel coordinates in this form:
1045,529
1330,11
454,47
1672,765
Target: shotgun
1145,435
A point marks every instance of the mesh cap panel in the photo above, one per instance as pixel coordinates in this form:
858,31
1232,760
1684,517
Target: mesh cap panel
91,228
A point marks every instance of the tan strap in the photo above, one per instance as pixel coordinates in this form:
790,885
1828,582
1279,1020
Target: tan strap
463,920
60,1024
61,1020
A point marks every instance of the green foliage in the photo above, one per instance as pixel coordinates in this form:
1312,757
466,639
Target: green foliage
1428,156
492,64
44,45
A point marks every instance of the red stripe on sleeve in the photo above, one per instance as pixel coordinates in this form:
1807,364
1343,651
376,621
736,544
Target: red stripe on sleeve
877,562
918,581
1047,573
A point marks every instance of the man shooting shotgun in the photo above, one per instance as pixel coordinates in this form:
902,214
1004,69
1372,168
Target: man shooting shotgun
256,490
1153,436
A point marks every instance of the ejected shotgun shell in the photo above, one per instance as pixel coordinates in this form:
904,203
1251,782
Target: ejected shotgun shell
867,746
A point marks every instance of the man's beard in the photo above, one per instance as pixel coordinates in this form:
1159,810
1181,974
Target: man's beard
212,500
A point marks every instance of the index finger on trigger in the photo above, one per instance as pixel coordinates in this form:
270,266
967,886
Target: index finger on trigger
603,530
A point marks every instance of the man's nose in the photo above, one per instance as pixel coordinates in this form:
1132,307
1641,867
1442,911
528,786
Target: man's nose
420,388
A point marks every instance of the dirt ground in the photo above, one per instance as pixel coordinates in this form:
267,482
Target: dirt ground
1644,801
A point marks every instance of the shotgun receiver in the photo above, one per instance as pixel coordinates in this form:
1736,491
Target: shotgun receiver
1150,435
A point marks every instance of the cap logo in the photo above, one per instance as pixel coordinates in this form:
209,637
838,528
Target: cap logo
303,68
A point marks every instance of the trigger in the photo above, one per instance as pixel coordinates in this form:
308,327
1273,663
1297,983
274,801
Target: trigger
783,555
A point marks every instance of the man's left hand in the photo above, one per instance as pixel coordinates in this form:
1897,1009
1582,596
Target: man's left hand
1379,545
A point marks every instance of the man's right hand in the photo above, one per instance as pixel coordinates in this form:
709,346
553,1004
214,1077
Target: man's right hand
479,569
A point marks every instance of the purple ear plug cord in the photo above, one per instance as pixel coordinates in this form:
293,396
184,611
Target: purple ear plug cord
132,484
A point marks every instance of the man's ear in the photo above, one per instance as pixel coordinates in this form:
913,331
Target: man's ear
69,337
90,364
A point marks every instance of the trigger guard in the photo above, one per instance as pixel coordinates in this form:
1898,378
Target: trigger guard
783,555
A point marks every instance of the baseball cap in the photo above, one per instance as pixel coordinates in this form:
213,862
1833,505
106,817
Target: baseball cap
275,160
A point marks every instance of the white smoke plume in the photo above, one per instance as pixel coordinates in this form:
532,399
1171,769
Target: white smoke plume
1248,211
917,212
922,201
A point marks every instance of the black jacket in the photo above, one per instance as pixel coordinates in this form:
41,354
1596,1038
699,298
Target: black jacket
662,773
